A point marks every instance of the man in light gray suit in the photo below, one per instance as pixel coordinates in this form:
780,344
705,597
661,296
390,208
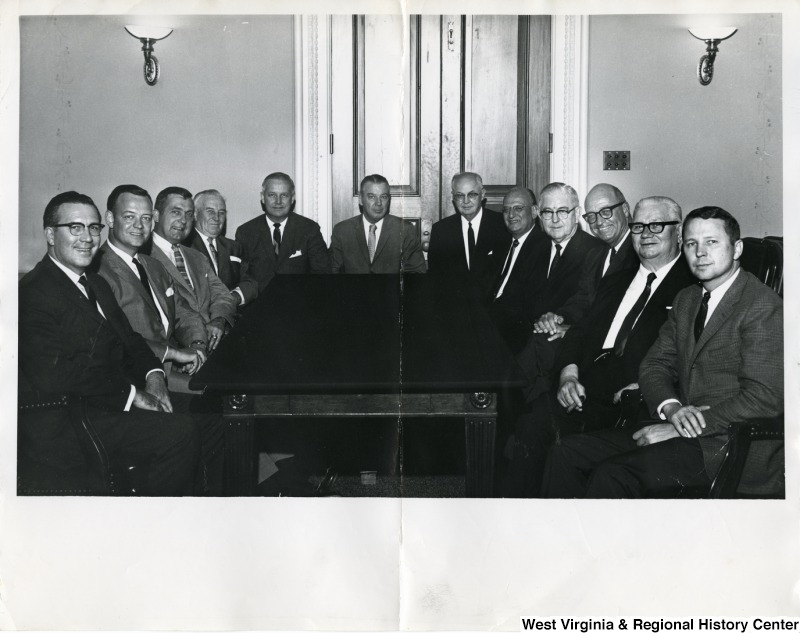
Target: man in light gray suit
193,276
144,289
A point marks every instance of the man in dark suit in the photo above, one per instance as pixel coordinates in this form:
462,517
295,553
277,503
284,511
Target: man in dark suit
718,359
608,215
600,355
283,242
74,340
566,258
193,276
470,243
224,254
375,242
516,275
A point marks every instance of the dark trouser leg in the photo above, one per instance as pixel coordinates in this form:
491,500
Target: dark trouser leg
655,470
571,461
168,441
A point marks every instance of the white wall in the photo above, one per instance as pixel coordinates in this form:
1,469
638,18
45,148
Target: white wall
701,145
221,116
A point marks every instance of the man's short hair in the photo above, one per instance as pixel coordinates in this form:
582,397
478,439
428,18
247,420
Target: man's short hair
716,213
673,208
50,217
209,192
522,191
563,188
375,179
467,174
161,198
135,190
278,175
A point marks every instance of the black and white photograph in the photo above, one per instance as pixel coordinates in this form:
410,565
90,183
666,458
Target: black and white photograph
405,316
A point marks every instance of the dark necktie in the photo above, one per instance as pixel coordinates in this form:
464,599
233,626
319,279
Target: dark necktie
556,259
89,292
143,278
470,245
214,254
276,238
630,319
702,313
507,267
611,256
180,264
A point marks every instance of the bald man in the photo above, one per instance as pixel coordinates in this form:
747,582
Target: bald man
608,214
471,243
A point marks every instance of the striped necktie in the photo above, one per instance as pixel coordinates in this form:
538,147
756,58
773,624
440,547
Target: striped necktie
180,264
371,242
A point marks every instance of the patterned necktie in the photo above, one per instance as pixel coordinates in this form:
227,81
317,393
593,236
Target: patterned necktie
371,242
143,278
470,245
89,292
556,259
214,254
180,264
702,313
630,318
276,238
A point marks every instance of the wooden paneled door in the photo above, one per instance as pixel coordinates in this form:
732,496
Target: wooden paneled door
420,98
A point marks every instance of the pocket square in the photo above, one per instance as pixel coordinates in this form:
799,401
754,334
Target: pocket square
669,307
297,253
170,291
490,253
238,260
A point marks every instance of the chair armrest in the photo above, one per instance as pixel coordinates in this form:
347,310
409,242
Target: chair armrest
740,436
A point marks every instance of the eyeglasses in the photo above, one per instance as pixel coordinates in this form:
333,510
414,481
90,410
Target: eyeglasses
517,209
77,228
605,213
472,196
653,227
562,214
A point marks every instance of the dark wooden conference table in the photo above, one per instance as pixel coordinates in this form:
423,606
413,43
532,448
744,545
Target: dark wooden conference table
361,346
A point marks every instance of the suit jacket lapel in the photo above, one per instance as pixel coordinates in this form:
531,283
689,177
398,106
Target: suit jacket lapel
171,268
264,238
160,296
720,315
288,239
122,270
361,240
386,230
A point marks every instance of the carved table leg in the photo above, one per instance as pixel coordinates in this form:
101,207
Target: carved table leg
479,432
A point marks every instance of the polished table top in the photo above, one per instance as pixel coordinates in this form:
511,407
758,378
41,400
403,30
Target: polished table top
361,334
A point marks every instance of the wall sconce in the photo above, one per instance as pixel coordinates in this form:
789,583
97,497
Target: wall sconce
712,36
148,36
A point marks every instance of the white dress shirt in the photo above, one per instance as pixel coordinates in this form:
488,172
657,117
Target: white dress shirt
378,226
476,226
166,248
204,240
615,248
633,292
514,257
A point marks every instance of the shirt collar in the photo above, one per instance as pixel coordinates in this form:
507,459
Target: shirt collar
661,272
204,236
378,224
163,244
125,257
74,277
720,290
618,244
475,220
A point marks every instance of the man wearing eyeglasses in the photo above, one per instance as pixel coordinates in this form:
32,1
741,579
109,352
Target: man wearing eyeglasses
375,241
75,341
282,241
718,359
472,242
600,355
515,279
608,215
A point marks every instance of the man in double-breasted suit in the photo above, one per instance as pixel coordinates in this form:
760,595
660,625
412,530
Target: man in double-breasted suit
598,357
75,341
718,359
281,242
224,254
470,244
193,276
144,289
374,241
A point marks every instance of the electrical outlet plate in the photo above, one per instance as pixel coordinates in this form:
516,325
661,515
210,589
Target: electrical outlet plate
616,161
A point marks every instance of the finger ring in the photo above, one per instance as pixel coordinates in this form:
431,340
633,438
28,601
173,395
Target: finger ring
213,336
